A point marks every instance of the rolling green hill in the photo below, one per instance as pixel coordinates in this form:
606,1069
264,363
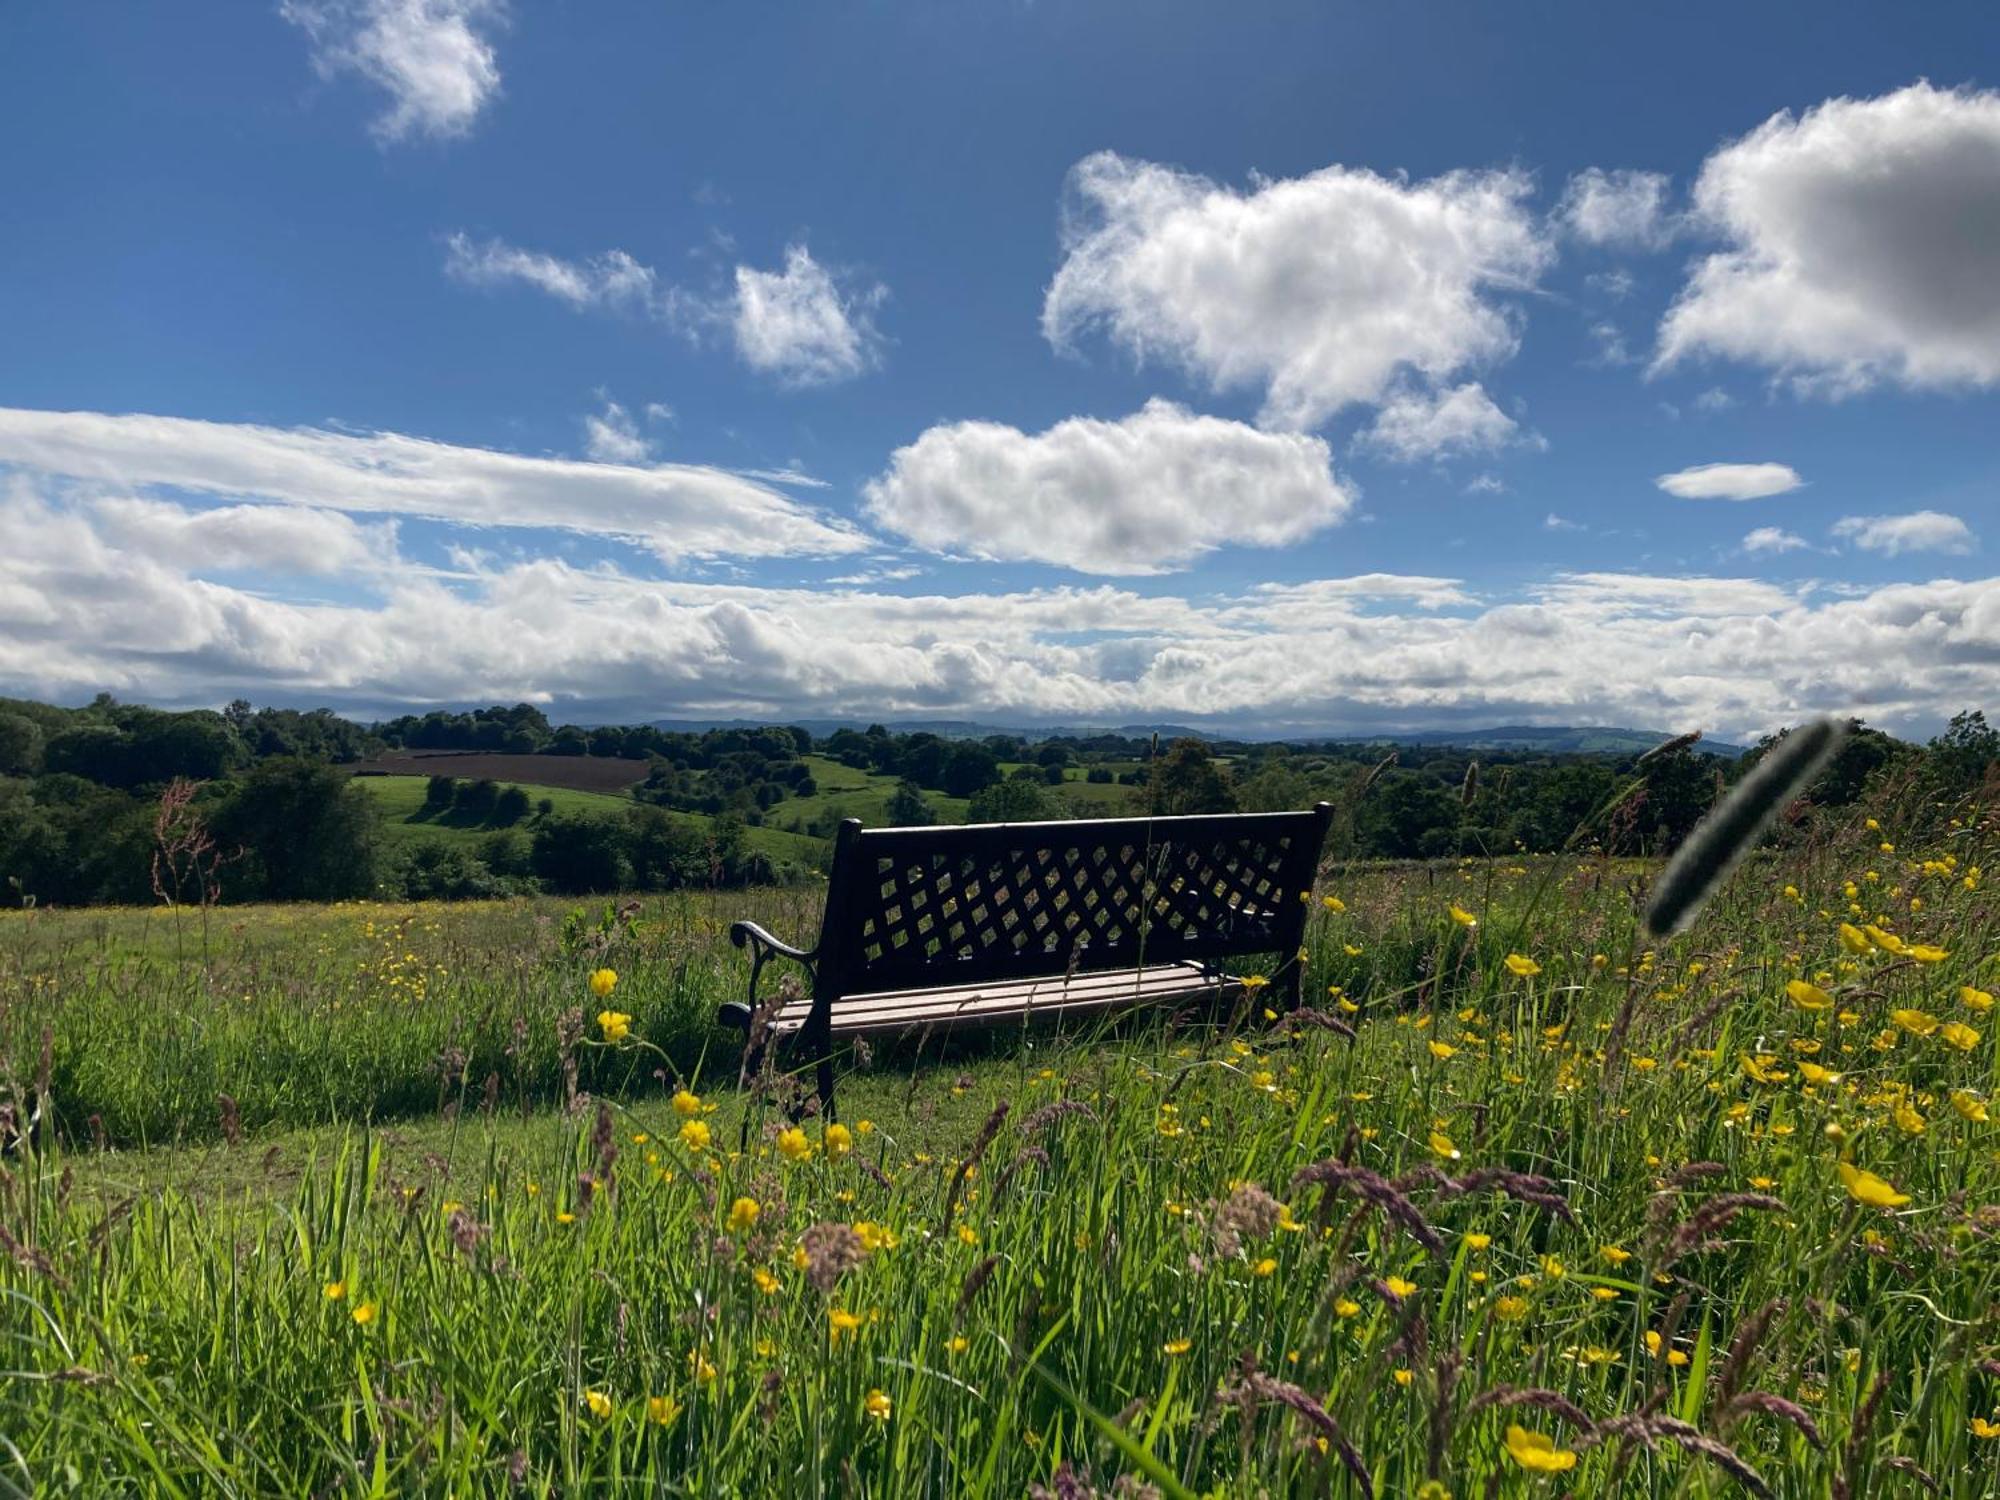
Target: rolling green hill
404,821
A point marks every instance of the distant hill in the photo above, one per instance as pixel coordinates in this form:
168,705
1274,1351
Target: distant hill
1558,740
1567,740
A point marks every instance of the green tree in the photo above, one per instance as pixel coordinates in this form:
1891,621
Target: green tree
20,745
907,807
307,832
577,854
1187,780
1018,799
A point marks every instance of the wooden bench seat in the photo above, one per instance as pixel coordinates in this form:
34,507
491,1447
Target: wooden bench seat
998,923
895,1011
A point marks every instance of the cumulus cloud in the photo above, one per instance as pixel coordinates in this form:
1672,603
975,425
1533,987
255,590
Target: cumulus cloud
677,510
1772,539
1414,425
80,612
1919,531
612,437
1146,493
1323,291
801,325
1621,209
1730,481
433,58
1864,245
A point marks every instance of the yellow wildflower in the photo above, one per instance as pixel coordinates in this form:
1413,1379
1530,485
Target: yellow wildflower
1866,1187
1959,1035
1807,996
598,1402
877,1405
743,1215
1537,1452
603,982
695,1134
1521,966
615,1025
1463,917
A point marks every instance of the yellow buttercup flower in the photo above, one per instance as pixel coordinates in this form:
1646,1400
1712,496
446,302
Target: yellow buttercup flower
1334,904
743,1215
661,1410
615,1025
1888,942
1442,1145
838,1140
1916,1022
1463,917
365,1314
335,1290
1521,966
1807,996
793,1145
1926,953
1969,1106
1511,1309
598,1402
1265,1266
1443,1050
1175,1347
1959,1035
1979,1000
1853,939
877,1405
686,1105
1537,1452
1399,1286
1866,1187
603,982
695,1135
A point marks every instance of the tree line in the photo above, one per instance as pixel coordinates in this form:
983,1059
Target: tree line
116,802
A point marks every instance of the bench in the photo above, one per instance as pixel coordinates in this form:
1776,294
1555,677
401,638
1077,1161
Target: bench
945,927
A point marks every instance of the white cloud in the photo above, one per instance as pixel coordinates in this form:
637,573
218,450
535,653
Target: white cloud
678,510
612,437
1554,522
610,279
1140,495
1610,340
1730,481
1863,245
1324,290
1622,209
1772,539
1414,425
1714,399
434,58
80,612
1919,531
800,326
286,539
1485,484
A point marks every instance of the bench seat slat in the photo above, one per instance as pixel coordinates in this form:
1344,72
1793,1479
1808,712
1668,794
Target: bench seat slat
982,1004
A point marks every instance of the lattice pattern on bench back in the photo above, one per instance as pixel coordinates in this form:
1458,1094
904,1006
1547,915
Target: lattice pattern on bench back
920,907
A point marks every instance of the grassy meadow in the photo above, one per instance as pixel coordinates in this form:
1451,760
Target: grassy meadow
387,1200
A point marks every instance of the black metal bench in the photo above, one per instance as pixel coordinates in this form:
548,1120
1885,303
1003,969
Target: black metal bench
933,928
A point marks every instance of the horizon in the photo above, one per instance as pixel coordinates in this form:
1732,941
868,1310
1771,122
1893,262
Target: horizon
1022,366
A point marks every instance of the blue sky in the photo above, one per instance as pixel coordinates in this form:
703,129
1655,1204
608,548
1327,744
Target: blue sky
1267,366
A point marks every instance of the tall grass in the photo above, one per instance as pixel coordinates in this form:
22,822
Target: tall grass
1570,1224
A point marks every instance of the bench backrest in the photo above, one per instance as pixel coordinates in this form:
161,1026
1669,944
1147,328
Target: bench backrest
912,908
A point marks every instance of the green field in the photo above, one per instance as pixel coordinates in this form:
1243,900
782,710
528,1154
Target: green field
404,821
1571,1213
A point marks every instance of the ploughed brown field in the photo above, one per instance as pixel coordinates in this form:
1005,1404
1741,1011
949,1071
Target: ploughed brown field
577,773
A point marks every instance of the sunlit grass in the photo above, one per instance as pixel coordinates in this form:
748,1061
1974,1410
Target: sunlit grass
1569,1215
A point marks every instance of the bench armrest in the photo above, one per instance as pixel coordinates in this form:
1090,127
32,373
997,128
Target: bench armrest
741,933
762,948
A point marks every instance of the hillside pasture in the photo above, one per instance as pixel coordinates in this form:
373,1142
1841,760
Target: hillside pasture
605,774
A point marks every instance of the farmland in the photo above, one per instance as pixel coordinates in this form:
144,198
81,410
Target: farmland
366,1197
